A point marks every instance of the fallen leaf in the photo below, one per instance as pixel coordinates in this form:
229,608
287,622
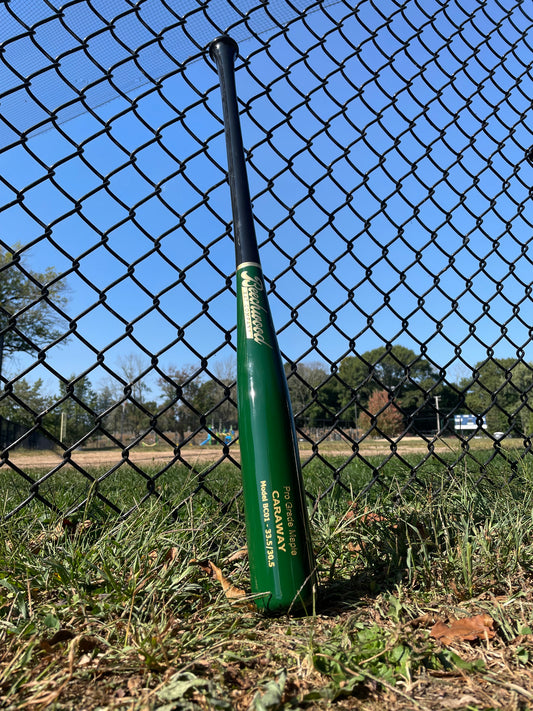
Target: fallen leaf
271,695
234,677
62,635
73,527
467,629
171,554
231,591
464,702
422,621
88,644
367,517
150,562
168,558
65,526
354,547
184,691
152,557
238,555
134,683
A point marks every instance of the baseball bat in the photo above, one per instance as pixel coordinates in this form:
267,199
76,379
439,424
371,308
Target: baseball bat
282,566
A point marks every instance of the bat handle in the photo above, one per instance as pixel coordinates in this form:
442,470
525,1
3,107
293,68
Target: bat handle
223,51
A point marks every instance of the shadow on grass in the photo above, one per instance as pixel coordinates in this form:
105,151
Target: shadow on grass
461,534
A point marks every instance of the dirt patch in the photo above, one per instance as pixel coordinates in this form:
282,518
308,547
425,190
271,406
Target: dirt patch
141,455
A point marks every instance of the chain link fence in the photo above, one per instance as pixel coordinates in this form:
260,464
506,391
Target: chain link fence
387,147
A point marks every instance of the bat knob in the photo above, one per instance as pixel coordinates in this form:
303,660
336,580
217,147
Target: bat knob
224,41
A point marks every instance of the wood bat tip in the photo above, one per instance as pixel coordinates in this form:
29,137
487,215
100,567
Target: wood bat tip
222,41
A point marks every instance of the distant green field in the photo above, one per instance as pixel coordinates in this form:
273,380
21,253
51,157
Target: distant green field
107,490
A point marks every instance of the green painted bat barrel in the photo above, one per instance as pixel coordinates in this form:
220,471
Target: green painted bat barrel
282,564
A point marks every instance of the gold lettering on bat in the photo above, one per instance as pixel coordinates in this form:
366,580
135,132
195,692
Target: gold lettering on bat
269,543
255,313
278,520
290,521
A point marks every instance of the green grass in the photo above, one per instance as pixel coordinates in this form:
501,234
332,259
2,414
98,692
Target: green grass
117,488
102,613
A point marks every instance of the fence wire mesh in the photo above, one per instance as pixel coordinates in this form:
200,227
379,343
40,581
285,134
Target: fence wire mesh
388,156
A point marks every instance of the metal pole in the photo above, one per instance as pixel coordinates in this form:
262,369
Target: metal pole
1,351
122,423
437,398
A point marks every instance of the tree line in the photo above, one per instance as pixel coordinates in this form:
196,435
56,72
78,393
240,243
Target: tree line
388,389
385,390
393,389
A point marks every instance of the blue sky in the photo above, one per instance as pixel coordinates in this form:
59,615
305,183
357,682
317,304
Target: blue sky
386,162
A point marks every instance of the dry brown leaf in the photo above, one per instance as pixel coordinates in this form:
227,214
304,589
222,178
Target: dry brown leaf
134,683
74,527
422,621
366,517
168,558
467,629
354,547
65,526
82,643
62,635
87,644
84,525
460,703
350,514
231,591
171,554
238,555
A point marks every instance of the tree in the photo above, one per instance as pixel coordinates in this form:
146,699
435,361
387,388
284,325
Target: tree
190,402
110,400
181,406
523,380
224,393
431,413
134,417
383,413
78,410
412,380
357,374
27,319
24,402
314,394
501,388
396,368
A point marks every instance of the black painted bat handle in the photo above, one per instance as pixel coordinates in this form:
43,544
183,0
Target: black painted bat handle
223,51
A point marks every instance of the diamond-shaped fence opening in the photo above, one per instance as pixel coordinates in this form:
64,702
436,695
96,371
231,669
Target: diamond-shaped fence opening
388,151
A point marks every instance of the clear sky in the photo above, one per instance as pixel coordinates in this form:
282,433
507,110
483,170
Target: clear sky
386,150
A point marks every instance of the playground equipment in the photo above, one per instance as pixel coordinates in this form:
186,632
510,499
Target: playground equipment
226,436
151,444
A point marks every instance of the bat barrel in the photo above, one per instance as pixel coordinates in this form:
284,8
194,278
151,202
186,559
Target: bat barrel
223,51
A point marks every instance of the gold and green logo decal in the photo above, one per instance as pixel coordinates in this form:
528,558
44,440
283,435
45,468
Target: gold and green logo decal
254,304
